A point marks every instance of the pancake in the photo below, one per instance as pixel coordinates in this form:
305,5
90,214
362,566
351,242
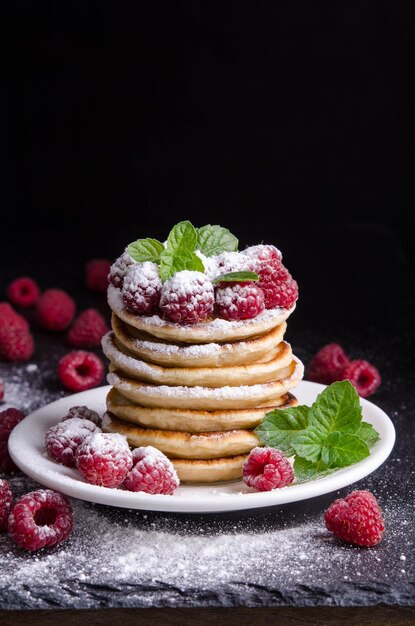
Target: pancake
207,398
153,350
209,470
179,444
188,420
212,330
260,372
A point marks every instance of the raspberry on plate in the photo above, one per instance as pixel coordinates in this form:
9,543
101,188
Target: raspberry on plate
142,287
87,330
40,519
97,271
55,310
80,370
327,365
104,459
238,301
187,297
8,420
356,519
23,292
263,252
16,344
279,287
152,472
119,269
63,439
266,469
364,376
10,318
83,412
6,501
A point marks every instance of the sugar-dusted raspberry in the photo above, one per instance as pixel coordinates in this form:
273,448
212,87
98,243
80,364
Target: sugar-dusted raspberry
15,344
96,274
55,310
364,376
87,330
23,292
104,459
84,413
41,519
263,253
238,301
6,501
80,370
119,269
142,288
1,390
9,318
152,472
327,364
279,287
63,439
187,298
356,519
8,420
233,262
266,469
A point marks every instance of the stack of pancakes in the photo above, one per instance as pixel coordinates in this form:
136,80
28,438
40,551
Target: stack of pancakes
197,392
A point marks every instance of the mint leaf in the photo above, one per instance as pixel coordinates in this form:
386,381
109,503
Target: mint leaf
308,445
280,425
369,435
145,250
237,277
343,449
306,470
179,252
212,240
182,237
337,408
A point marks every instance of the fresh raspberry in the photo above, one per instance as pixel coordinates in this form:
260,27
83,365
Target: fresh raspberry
6,501
356,519
279,287
142,287
40,519
97,271
9,318
327,365
152,472
84,413
55,310
238,301
87,330
119,269
104,459
232,262
187,298
63,439
1,391
263,253
364,376
266,469
23,292
16,344
8,420
80,370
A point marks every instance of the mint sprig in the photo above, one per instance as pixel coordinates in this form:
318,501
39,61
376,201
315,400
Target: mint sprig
145,250
179,253
212,240
237,277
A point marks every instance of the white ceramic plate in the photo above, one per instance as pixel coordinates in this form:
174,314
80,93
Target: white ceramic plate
26,445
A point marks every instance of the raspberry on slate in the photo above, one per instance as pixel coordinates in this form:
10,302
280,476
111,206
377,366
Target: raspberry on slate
356,519
6,501
16,344
364,376
63,439
142,287
87,330
55,310
80,370
119,269
96,272
23,292
8,420
327,365
104,459
9,318
263,252
238,301
83,412
152,472
1,390
40,519
187,297
266,469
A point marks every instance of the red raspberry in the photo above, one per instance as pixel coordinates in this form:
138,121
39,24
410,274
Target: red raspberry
55,310
8,420
104,459
239,301
266,469
152,472
6,501
87,330
40,519
16,344
327,365
9,318
23,292
119,269
84,413
80,370
63,439
263,253
97,271
356,519
364,376
142,287
232,262
279,287
1,390
187,298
